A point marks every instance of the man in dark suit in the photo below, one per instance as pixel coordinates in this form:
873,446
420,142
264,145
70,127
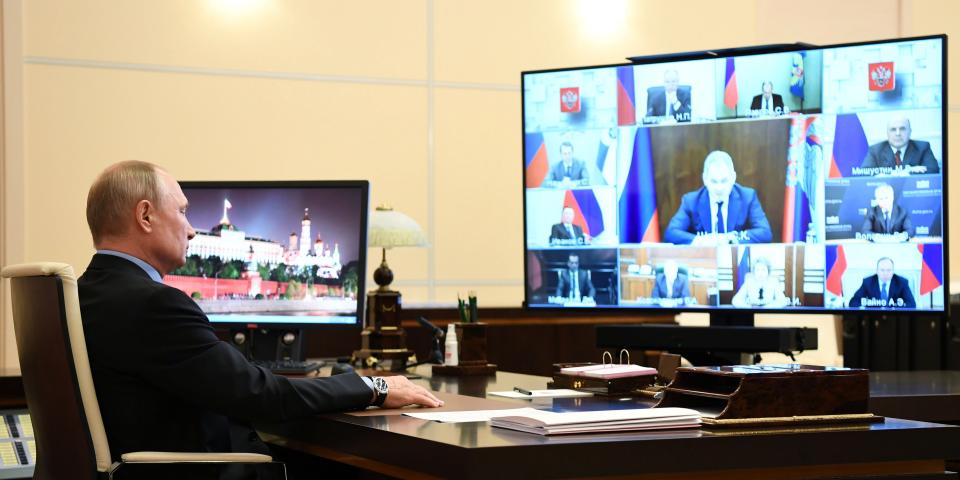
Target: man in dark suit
722,211
569,171
767,103
164,381
670,104
886,217
899,152
565,232
671,283
575,283
884,289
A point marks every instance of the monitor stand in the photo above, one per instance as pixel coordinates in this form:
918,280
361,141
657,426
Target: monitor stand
724,318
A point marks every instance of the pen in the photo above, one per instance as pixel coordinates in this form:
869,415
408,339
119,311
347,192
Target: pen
522,390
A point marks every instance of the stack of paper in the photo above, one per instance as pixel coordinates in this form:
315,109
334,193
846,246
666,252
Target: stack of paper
553,423
609,370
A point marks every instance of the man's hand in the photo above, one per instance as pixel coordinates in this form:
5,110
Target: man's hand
403,392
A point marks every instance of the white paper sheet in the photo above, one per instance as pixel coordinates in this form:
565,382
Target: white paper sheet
469,416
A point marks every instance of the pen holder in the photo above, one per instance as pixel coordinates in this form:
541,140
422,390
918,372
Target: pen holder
472,339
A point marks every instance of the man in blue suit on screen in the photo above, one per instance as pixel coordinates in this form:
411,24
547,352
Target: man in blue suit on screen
884,289
720,212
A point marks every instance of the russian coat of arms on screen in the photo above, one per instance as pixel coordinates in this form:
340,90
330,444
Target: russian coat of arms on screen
570,99
881,76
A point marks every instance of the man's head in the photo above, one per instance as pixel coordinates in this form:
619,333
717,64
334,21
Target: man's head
767,88
566,152
761,269
566,216
671,79
719,174
138,208
885,269
573,262
898,131
883,196
670,269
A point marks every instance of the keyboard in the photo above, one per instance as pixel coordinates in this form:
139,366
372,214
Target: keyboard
289,367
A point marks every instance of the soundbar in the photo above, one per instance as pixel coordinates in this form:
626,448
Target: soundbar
713,339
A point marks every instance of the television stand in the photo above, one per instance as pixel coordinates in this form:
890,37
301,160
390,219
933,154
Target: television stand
729,336
279,350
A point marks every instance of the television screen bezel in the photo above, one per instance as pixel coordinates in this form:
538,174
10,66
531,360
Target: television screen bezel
747,51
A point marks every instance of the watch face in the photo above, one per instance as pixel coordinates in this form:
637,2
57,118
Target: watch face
380,384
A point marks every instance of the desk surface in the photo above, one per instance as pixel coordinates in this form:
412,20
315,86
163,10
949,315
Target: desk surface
408,447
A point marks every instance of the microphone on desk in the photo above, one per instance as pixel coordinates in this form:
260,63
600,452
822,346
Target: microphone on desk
436,355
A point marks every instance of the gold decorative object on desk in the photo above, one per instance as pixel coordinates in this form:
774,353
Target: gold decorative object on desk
383,339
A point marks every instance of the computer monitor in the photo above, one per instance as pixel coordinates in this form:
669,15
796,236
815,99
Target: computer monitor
788,178
273,257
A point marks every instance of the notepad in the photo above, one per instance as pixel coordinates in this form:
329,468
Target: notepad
543,422
609,371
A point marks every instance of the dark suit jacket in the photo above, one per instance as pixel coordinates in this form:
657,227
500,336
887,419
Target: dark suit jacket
559,232
757,103
899,221
681,286
657,103
917,153
899,288
165,382
744,214
566,282
578,172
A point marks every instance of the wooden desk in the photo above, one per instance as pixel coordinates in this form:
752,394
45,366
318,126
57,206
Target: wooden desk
405,447
927,395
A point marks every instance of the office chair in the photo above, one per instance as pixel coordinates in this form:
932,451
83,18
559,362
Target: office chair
70,436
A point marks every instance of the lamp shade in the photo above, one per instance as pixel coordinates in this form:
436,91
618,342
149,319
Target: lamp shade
390,228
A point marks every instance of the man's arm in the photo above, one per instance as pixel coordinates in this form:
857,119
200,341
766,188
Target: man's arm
867,226
758,228
908,301
561,283
679,230
684,285
907,226
873,157
927,160
857,298
591,292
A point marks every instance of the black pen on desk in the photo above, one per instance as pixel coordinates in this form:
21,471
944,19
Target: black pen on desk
522,390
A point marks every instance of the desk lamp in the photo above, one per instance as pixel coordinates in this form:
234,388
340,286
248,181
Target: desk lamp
383,339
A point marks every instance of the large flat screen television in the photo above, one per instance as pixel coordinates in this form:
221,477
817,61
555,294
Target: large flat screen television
775,179
287,254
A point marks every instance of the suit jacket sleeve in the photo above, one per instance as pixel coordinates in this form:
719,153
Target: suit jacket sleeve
758,228
757,102
591,292
184,356
873,156
556,233
859,294
868,220
684,285
562,282
658,280
680,228
905,293
927,159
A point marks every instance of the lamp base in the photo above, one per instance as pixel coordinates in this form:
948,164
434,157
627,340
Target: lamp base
383,276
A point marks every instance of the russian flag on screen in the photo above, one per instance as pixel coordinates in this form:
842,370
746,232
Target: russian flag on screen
796,75
849,145
931,272
626,97
743,265
586,211
836,266
639,221
607,157
535,159
730,94
796,200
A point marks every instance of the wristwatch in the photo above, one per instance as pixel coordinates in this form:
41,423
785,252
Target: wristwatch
380,388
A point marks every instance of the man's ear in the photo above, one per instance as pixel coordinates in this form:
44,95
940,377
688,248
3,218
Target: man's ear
145,216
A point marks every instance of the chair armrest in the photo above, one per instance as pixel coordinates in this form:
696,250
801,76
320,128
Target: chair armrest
194,457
